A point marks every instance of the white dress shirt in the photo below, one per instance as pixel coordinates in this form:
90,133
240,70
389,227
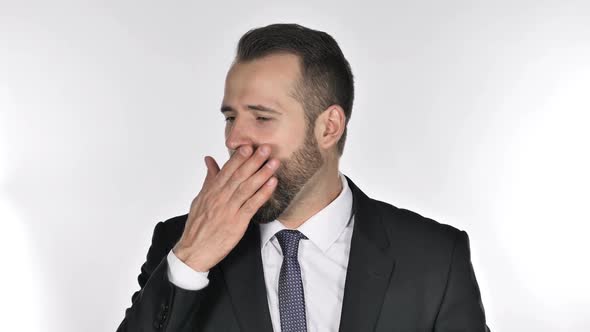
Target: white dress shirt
323,259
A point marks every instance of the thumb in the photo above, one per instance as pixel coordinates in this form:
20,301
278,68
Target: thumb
212,169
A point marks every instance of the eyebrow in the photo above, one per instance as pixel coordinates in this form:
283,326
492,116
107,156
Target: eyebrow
261,108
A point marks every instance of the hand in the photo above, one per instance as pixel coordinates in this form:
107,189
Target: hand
221,212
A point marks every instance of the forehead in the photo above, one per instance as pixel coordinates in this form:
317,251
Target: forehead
269,80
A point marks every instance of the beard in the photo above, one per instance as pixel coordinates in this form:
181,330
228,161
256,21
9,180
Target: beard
292,175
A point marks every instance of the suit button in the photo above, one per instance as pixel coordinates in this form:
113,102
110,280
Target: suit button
163,313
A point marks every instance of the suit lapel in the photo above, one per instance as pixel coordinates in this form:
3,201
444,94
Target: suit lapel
370,266
243,274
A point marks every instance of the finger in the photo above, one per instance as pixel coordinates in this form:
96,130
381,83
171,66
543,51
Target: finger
212,170
234,162
248,188
249,208
245,171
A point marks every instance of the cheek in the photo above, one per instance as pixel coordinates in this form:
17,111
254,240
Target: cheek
284,140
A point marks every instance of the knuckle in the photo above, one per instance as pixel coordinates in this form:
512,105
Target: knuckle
261,159
219,177
232,184
238,158
234,180
268,171
242,189
238,153
240,173
215,177
249,208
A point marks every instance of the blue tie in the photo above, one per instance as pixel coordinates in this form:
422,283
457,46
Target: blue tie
291,299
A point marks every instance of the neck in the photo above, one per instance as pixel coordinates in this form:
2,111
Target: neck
318,192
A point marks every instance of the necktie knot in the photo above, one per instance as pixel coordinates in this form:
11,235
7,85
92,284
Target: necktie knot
289,241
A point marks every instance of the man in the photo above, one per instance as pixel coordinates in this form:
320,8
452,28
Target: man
279,239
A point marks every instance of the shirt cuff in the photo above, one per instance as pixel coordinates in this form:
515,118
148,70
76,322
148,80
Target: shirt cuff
184,276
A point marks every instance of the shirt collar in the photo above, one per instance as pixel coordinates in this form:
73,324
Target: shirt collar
324,227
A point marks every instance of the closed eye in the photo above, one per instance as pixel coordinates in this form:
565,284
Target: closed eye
261,118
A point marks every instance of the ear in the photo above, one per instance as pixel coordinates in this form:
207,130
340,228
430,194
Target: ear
330,127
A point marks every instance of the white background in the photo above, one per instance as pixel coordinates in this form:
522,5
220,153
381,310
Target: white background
473,114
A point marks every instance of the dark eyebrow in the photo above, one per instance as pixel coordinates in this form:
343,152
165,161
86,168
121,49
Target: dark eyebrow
261,108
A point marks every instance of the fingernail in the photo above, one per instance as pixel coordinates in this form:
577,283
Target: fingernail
264,149
272,164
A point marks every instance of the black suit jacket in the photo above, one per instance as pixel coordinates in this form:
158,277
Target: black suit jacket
405,273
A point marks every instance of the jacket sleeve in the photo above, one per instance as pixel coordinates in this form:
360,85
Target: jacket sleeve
461,308
159,305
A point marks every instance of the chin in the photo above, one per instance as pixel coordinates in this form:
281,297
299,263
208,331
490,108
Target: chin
268,212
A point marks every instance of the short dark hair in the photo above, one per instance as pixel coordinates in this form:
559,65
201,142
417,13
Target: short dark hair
326,75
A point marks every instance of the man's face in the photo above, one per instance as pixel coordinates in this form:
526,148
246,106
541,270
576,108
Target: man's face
266,83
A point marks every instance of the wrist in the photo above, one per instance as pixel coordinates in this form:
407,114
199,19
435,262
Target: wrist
184,255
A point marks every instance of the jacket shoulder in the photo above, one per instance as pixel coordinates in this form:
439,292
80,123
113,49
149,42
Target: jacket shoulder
412,228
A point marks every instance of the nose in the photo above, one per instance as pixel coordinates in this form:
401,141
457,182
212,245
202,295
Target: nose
237,135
